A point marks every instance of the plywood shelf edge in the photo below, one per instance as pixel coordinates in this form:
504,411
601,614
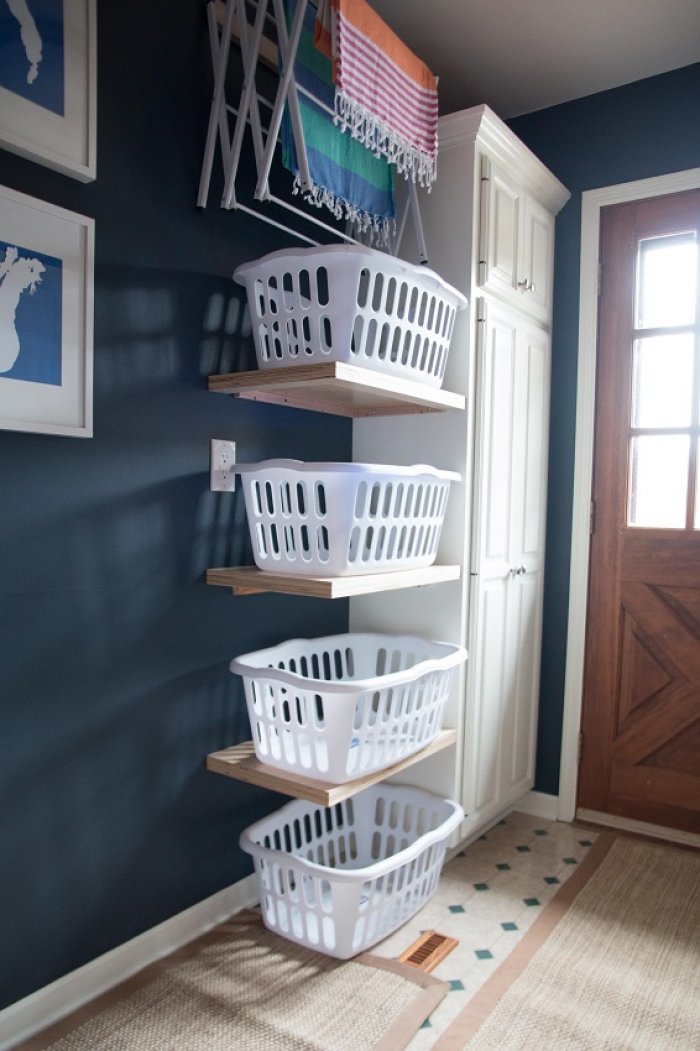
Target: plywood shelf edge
249,580
337,388
240,763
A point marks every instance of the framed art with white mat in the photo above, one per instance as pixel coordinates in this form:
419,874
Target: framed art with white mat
46,317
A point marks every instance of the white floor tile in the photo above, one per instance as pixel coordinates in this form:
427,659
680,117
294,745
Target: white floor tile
489,920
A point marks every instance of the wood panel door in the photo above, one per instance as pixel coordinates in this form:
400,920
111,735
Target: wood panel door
641,702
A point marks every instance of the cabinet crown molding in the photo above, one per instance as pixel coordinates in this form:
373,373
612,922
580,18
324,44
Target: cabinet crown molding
480,126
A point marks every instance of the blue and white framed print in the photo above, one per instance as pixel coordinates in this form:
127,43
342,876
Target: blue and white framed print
46,317
48,83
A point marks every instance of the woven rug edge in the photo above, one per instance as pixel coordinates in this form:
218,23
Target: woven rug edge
470,1019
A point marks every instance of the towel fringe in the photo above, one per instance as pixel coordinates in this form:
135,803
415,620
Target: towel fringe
383,141
380,228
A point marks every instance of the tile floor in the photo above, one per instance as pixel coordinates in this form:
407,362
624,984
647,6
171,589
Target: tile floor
488,896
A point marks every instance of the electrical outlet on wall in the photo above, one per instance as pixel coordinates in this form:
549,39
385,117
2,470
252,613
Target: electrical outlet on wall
222,466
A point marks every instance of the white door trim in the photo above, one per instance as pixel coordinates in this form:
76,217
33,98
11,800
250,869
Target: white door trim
591,203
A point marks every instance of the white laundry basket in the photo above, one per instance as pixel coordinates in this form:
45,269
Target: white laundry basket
352,304
339,879
343,519
340,706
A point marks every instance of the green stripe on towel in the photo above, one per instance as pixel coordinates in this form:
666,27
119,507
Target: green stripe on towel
347,178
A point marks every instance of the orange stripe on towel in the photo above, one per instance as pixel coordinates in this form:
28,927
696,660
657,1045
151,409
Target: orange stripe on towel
368,22
323,40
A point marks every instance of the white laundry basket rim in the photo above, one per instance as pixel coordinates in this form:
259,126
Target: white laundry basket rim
412,471
248,843
316,255
255,663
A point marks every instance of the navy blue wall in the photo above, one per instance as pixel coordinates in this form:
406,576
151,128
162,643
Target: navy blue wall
634,132
114,653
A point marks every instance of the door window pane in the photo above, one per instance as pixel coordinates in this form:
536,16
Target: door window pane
667,281
662,381
658,481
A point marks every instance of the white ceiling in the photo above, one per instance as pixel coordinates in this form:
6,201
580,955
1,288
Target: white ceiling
523,55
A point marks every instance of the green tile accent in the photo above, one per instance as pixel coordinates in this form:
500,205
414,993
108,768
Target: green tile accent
509,926
456,984
551,879
483,954
541,832
585,843
456,908
570,861
481,886
523,850
531,901
503,866
427,1024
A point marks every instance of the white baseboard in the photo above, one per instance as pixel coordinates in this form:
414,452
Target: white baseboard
40,1009
539,804
643,828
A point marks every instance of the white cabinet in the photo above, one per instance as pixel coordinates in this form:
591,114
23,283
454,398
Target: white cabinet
516,241
507,559
489,225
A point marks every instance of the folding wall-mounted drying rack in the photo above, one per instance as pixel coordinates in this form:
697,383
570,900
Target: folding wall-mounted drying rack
228,19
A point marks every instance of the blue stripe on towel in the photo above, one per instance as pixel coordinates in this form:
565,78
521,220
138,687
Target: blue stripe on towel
347,177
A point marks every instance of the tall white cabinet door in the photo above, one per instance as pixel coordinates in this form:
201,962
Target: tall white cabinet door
516,244
510,478
500,224
496,403
489,678
536,260
527,555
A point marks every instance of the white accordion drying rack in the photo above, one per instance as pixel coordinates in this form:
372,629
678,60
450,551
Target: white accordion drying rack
227,18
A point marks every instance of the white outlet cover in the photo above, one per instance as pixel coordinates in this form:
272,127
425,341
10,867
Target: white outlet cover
222,466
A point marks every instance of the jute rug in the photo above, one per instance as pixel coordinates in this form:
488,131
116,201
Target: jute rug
241,988
612,964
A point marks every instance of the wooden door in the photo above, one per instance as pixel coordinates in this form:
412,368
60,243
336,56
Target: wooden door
641,704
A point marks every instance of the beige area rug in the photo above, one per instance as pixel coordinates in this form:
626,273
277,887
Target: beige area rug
242,988
612,964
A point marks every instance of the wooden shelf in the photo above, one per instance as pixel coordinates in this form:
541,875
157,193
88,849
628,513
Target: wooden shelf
249,580
336,388
239,762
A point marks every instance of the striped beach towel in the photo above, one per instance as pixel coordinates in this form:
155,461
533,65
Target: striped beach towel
384,95
346,178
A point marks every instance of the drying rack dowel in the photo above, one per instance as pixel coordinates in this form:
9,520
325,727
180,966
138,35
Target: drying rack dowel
217,115
287,88
248,104
415,211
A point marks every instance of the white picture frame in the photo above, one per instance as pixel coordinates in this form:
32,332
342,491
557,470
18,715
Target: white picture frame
46,317
48,83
